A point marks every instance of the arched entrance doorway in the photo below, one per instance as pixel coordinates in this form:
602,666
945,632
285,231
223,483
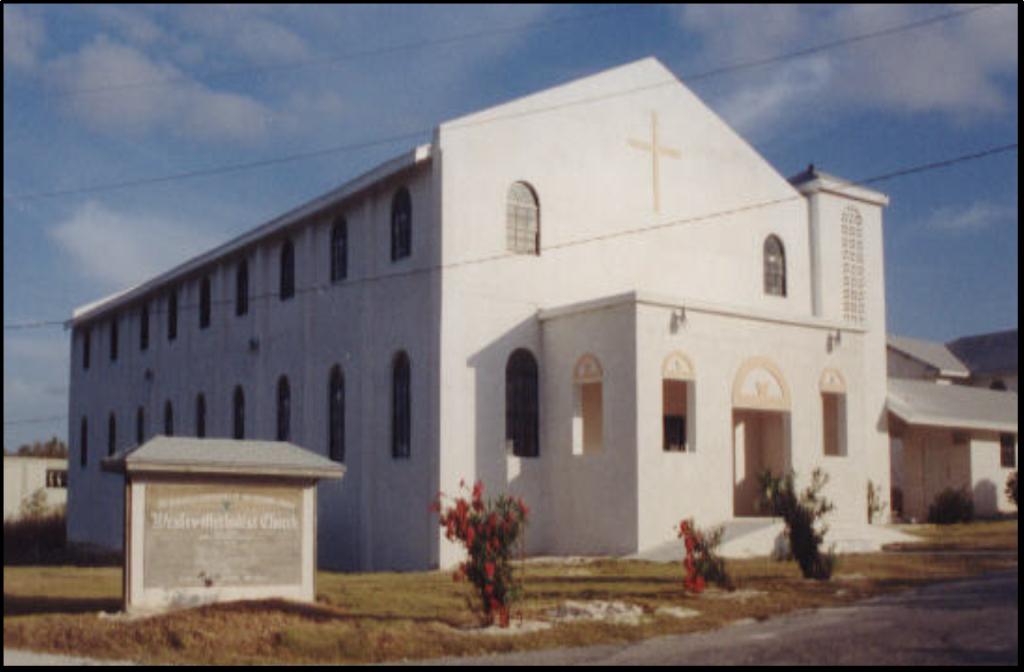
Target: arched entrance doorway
761,431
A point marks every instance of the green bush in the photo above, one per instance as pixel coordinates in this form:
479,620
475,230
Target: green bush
800,514
952,506
876,505
1011,488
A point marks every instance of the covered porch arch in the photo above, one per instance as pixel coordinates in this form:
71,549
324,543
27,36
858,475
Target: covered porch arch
761,430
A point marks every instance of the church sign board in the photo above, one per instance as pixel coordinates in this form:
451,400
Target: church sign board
211,520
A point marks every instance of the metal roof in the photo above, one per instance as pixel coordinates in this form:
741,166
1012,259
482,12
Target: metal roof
935,355
182,455
918,402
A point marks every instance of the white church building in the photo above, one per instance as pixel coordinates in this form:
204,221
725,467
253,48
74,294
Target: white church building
598,297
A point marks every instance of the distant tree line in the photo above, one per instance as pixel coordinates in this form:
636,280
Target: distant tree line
54,447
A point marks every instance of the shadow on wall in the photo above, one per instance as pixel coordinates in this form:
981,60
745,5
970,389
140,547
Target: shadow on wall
491,457
986,499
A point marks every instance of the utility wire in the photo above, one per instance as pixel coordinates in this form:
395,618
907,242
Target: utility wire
426,132
352,55
345,283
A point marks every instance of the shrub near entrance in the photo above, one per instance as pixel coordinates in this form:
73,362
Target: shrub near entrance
702,563
488,531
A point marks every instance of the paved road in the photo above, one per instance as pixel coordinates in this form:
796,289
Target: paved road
969,622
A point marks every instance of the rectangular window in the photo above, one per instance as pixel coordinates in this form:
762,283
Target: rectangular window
588,423
834,421
57,478
1007,454
675,396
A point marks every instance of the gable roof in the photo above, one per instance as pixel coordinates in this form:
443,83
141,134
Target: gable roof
935,355
922,402
988,353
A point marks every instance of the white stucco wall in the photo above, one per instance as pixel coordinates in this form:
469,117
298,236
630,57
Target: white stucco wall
377,515
23,476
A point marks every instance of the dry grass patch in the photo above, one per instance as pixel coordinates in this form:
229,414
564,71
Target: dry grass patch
364,618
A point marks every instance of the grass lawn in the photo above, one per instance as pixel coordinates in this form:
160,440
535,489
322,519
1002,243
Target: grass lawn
388,616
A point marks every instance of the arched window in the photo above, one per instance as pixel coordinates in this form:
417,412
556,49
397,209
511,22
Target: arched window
339,250
144,327
113,338
401,406
168,419
204,303
522,417
172,314
336,415
287,270
111,434
284,409
242,288
588,406
774,267
522,220
678,404
401,225
83,454
238,413
200,416
140,426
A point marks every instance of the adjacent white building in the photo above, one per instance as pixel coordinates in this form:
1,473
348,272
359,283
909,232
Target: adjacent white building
25,476
597,297
953,421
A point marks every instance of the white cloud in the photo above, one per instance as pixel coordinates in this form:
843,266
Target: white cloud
964,220
119,249
24,35
953,67
184,107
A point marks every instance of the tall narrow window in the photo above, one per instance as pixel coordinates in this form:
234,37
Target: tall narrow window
172,314
852,236
588,403
287,270
336,415
238,413
86,347
522,220
339,250
83,453
200,416
242,288
111,434
401,225
522,417
1007,452
204,303
144,326
140,426
834,422
774,267
401,407
168,419
677,402
113,338
284,409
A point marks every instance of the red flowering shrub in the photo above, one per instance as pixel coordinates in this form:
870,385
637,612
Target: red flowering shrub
488,530
702,563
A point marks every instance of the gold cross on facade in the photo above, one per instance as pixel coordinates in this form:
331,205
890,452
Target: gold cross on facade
655,150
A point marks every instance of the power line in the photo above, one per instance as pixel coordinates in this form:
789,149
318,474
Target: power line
910,170
352,55
239,167
33,421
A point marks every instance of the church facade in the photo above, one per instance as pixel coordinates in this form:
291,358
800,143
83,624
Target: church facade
597,297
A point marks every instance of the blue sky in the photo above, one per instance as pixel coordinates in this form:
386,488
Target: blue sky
101,95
